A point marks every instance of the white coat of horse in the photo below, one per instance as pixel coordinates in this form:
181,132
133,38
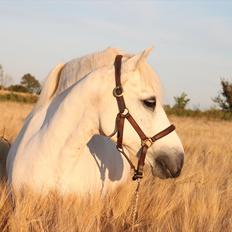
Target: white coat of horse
62,145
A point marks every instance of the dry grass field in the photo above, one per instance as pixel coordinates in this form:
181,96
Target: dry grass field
19,97
199,200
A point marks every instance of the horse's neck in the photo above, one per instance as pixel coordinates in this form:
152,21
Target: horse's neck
60,135
69,133
70,114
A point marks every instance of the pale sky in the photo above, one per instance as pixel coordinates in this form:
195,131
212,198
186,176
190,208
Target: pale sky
192,39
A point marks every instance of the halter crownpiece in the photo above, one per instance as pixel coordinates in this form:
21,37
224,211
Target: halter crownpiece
123,114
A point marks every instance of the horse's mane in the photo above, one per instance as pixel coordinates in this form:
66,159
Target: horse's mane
63,76
78,68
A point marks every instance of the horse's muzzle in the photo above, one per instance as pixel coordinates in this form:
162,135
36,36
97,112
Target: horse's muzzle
169,167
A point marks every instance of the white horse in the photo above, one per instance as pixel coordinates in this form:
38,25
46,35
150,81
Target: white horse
62,145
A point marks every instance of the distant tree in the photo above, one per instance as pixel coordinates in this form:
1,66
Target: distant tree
30,83
224,98
5,79
181,101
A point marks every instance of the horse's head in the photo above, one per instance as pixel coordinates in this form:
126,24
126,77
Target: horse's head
142,95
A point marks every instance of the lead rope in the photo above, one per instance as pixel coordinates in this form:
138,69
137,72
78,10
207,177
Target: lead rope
135,199
134,212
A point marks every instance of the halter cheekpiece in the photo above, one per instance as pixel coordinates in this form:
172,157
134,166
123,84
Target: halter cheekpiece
123,114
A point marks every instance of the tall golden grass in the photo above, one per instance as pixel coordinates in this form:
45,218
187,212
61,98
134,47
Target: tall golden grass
199,200
12,115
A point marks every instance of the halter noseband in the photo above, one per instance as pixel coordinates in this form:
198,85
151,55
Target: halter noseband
123,114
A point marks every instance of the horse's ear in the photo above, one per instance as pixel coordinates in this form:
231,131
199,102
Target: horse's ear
133,62
144,55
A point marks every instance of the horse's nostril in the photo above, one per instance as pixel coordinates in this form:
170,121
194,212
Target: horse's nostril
170,167
161,162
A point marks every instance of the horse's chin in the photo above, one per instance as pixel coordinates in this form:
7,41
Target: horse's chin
157,172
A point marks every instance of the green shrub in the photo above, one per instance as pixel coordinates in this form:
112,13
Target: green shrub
224,99
181,101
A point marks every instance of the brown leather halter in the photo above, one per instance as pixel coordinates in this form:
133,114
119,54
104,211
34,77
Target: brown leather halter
123,114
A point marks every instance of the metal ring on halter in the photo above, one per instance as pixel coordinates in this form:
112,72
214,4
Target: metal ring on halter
120,149
148,142
125,113
115,91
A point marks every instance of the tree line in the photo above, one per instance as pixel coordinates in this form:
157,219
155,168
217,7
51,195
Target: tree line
28,83
223,100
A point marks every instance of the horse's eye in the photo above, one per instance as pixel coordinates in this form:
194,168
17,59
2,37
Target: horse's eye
150,103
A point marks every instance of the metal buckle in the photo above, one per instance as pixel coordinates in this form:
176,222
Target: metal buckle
147,142
138,174
115,91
